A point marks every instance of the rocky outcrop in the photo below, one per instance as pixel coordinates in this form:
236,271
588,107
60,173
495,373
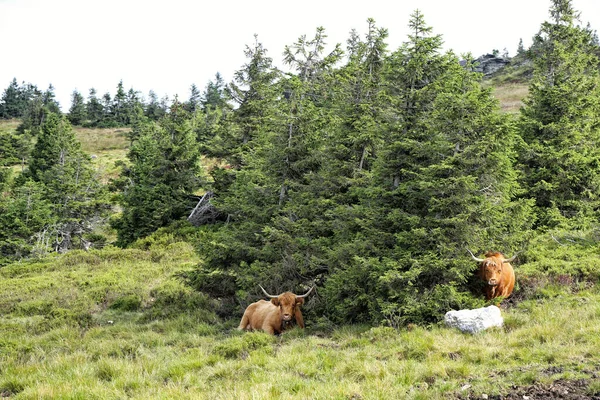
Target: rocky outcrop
489,64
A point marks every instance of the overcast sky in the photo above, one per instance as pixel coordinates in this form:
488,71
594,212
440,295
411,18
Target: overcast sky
168,45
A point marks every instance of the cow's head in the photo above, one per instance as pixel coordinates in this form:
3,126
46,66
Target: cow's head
287,303
490,267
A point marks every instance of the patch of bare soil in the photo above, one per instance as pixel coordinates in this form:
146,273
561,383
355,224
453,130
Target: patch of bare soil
560,389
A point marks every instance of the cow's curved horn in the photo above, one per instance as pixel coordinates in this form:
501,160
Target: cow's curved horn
306,294
511,259
475,258
267,294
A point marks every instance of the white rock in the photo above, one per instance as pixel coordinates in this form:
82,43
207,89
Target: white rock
473,321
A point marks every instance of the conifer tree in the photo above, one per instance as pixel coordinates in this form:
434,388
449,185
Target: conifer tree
292,153
214,94
442,181
165,172
69,181
25,216
33,116
134,108
154,109
94,109
360,97
49,100
520,47
118,107
283,124
15,99
77,113
560,121
194,101
11,104
108,115
255,92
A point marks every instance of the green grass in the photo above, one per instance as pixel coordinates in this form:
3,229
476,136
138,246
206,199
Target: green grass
102,140
9,125
106,146
113,324
510,96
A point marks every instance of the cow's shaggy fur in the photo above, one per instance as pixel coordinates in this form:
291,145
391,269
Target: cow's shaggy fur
498,274
273,316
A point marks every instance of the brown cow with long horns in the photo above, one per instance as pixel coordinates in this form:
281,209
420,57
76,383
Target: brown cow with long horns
497,272
275,315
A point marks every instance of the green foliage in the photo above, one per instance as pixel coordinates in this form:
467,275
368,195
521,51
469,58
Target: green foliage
559,123
561,255
367,180
14,147
165,171
15,99
94,109
443,181
366,176
25,213
78,111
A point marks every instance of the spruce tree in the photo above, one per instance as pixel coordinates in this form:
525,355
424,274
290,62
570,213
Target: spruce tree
49,100
94,109
194,101
292,153
282,127
77,113
559,122
350,153
159,185
69,181
359,101
26,216
214,96
108,116
255,92
154,110
11,105
118,107
442,181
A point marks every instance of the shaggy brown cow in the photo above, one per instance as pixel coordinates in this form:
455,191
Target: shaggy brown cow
497,272
274,316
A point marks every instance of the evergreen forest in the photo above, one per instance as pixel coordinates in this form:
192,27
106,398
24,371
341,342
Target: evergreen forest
363,171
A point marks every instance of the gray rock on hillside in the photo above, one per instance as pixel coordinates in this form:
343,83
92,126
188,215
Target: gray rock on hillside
474,321
489,64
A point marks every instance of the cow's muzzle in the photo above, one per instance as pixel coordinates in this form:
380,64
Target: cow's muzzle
287,317
492,282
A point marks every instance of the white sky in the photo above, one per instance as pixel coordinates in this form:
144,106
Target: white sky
166,45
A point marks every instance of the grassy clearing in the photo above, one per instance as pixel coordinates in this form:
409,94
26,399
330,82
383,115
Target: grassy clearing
106,146
102,140
9,125
511,96
113,324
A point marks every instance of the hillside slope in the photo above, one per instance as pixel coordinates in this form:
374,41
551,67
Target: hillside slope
112,324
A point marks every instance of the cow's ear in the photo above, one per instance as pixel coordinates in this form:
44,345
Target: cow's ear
275,301
299,300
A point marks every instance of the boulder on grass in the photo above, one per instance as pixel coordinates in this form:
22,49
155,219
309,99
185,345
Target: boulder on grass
474,321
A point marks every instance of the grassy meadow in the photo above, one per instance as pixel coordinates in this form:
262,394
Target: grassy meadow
106,146
114,324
